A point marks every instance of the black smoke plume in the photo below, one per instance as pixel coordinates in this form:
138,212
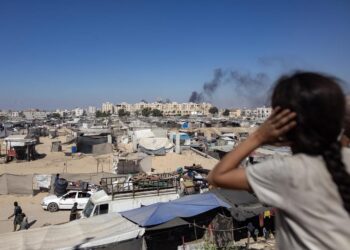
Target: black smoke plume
196,97
252,87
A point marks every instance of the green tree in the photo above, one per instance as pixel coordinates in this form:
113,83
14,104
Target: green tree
226,112
213,110
146,112
56,115
157,112
100,114
123,112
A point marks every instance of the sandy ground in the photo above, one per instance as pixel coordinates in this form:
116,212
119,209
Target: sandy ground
172,161
55,162
31,207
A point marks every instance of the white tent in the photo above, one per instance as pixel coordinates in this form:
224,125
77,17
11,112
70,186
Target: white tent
143,133
84,233
156,143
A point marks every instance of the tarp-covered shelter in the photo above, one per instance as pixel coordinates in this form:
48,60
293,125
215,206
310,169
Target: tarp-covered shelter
86,144
186,206
155,146
22,147
244,205
109,230
143,133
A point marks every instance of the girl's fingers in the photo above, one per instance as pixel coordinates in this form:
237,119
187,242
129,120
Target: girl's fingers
275,111
280,115
287,127
286,119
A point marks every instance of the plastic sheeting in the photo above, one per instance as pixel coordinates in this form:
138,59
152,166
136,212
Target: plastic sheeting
16,184
100,149
155,143
41,181
244,205
85,143
146,164
144,133
187,206
85,233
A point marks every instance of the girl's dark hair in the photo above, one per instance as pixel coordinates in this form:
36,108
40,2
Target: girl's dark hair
320,106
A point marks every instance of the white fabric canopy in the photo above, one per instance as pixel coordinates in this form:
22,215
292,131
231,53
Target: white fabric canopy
155,143
95,231
144,133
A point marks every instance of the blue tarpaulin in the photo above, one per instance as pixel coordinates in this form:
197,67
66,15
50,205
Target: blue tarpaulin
185,125
183,136
187,206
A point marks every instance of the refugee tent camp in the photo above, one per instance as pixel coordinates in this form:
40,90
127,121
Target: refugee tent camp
223,213
162,212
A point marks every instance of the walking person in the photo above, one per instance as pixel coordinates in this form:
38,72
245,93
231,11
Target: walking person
24,223
17,214
311,188
74,212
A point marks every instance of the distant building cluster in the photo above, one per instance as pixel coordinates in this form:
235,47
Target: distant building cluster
168,109
257,113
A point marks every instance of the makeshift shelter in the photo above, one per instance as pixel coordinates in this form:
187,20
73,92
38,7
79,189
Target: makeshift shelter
56,146
143,133
243,205
186,206
226,211
185,139
101,149
109,230
155,146
86,144
22,147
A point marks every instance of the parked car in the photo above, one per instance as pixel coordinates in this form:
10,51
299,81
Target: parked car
53,203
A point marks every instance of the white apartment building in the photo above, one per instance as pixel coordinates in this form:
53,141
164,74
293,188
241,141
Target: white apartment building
62,113
91,110
107,107
14,114
263,112
259,113
34,114
78,112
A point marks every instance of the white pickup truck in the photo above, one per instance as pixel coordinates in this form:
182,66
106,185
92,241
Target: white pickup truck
102,203
53,203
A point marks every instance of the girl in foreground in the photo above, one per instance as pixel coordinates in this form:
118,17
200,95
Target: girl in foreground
311,188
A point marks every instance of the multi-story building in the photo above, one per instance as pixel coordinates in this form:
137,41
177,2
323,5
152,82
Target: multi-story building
107,107
4,113
91,110
168,109
78,112
235,113
34,114
14,114
63,113
263,112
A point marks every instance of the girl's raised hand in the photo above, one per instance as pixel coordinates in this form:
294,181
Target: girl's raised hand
279,123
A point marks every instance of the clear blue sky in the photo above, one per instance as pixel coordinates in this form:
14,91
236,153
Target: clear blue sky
64,53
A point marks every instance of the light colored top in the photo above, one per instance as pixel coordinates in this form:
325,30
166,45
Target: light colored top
310,211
